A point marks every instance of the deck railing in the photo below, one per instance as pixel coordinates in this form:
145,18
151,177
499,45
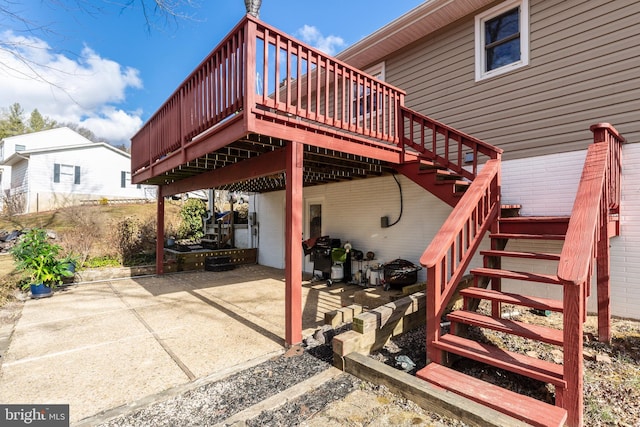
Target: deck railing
587,239
445,145
260,71
448,256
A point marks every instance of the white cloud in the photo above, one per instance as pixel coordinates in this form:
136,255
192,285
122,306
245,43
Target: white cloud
85,89
311,35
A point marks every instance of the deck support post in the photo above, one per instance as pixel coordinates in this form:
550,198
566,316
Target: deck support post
293,244
603,285
160,231
572,399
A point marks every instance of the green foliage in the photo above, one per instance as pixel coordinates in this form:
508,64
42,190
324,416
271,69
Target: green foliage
12,123
102,261
192,213
38,257
38,123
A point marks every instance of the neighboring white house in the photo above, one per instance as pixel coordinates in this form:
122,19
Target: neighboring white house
58,167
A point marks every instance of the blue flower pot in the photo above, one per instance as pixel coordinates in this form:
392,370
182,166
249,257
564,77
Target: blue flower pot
41,291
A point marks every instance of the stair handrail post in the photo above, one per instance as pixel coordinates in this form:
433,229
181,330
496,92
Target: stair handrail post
400,136
605,133
598,196
250,78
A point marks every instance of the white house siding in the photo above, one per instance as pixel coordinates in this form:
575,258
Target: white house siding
100,176
19,177
543,185
59,137
352,211
547,185
625,249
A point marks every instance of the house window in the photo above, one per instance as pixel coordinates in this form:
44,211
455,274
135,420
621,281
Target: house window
68,174
362,102
20,147
125,180
502,39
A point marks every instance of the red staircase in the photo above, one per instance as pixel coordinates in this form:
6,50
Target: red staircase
440,158
585,237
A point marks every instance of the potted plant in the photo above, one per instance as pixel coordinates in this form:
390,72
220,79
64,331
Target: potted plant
38,258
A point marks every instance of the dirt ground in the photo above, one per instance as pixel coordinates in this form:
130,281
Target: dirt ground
611,371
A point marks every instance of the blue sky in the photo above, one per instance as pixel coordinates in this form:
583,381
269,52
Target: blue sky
102,66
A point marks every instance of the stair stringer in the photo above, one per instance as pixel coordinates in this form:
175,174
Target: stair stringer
445,192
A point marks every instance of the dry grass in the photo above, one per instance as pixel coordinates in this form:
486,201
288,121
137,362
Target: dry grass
8,279
104,215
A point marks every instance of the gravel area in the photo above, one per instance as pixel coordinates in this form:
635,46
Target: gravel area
344,400
612,385
215,402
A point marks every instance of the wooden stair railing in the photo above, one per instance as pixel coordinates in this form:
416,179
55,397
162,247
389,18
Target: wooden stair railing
438,157
585,237
221,234
596,205
451,250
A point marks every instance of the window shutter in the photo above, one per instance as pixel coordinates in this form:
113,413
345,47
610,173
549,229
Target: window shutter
56,172
123,179
76,177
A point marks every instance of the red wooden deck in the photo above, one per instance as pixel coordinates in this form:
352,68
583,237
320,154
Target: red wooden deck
265,112
255,92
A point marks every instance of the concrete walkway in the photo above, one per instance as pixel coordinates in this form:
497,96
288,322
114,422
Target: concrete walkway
105,344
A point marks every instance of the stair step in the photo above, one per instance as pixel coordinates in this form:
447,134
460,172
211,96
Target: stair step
535,332
510,207
540,370
447,175
441,172
525,408
528,255
457,182
516,275
516,299
520,219
428,165
535,225
527,236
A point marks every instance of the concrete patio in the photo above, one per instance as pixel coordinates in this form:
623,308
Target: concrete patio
104,344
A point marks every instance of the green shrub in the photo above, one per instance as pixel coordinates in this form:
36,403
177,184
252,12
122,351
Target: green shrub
192,213
38,258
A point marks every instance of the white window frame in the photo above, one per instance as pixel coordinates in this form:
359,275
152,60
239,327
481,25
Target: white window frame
487,15
376,71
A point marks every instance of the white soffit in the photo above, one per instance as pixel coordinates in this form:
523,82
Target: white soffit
415,24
